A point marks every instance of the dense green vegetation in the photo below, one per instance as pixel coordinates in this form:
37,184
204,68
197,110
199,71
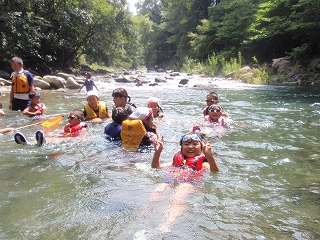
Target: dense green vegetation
210,34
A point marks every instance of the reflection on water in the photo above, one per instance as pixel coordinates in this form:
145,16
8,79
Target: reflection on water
268,187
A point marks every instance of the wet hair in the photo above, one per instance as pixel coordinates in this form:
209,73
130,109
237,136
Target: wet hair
214,106
34,94
78,113
88,74
119,114
121,92
214,95
17,60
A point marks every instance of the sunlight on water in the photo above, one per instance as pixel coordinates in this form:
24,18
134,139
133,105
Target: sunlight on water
268,187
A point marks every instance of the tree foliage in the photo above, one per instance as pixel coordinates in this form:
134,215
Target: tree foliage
54,33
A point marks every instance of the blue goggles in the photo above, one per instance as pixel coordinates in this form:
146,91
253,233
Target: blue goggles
187,137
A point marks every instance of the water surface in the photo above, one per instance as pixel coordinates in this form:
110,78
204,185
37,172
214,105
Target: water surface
268,187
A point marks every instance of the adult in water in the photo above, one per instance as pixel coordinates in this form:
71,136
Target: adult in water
22,84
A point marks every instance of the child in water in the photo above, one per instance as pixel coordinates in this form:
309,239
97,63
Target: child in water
113,130
154,104
35,108
212,98
95,110
215,116
196,153
74,128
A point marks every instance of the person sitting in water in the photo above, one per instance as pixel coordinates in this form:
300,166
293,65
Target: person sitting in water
35,107
113,130
139,130
154,104
122,99
212,98
88,83
74,128
95,110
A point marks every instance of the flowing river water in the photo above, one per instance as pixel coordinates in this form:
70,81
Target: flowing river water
268,187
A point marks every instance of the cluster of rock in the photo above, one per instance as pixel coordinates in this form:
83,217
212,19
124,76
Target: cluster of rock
63,80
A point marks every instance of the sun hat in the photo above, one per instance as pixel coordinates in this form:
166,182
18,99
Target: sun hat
142,113
154,100
92,93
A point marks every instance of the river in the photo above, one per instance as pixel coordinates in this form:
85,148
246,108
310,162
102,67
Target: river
268,187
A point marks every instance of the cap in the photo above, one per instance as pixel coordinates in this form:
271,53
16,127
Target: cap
142,113
93,93
34,95
153,100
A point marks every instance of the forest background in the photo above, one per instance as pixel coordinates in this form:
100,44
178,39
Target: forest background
199,36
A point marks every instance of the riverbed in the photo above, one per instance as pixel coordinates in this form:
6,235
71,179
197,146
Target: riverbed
268,186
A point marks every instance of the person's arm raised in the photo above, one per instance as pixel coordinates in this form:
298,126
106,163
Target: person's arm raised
207,151
158,146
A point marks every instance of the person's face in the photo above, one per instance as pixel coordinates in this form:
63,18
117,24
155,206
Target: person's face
210,100
35,100
154,107
93,101
73,120
119,101
215,113
191,148
16,66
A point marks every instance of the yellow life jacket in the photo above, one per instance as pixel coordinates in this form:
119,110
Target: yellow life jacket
132,133
20,83
91,114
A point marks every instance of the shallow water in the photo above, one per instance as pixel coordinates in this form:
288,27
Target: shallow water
268,187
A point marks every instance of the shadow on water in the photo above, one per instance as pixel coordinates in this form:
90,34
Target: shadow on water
268,187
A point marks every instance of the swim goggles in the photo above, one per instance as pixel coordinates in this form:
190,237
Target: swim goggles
214,110
187,137
72,117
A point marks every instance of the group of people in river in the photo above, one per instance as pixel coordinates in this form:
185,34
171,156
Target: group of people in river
132,126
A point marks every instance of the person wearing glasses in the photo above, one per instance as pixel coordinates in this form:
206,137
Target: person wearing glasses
74,128
212,98
122,99
215,115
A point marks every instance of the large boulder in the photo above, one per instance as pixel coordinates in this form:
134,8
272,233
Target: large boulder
40,83
5,82
66,75
281,65
122,79
54,81
72,83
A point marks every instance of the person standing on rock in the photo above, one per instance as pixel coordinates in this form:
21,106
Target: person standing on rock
22,84
89,83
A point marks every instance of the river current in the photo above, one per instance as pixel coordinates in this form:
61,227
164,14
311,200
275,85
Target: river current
268,186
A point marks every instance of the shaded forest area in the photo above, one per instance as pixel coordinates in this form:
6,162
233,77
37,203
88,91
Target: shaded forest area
71,34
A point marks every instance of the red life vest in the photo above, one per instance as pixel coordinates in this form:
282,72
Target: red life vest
74,130
38,107
195,163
